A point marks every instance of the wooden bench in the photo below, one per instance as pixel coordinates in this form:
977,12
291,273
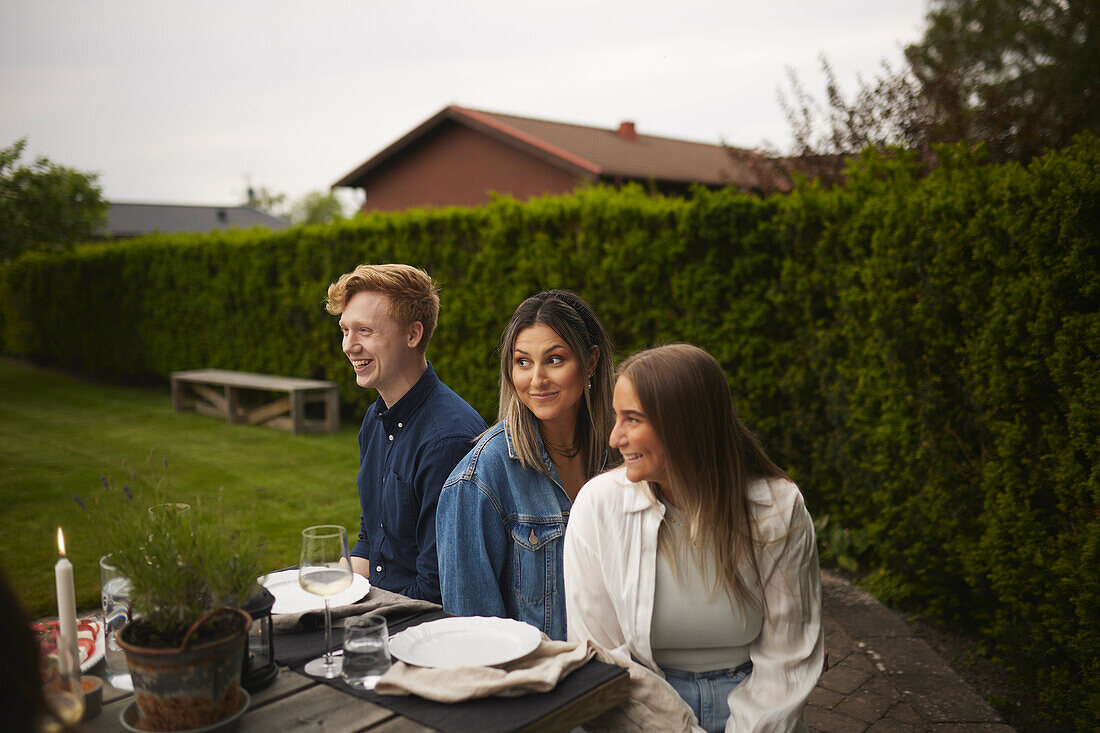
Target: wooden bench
218,392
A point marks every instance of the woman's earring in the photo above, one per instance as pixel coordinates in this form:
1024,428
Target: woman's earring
590,383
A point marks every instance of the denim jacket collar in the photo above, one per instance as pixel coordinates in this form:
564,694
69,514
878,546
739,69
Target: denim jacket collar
542,452
545,456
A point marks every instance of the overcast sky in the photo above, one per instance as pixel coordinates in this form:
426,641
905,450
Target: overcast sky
181,102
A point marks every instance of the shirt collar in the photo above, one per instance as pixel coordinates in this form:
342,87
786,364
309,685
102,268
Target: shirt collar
639,496
410,402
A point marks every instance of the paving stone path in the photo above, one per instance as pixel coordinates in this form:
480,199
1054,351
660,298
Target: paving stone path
881,679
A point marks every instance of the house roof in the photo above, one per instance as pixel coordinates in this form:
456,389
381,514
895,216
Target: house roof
591,153
130,220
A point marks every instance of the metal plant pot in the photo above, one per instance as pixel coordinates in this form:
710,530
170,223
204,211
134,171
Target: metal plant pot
191,686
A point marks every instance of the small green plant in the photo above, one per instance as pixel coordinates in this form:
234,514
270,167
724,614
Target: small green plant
182,560
838,546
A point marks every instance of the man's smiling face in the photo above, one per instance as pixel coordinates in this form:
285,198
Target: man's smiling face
380,349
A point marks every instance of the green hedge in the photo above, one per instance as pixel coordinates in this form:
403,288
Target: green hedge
920,352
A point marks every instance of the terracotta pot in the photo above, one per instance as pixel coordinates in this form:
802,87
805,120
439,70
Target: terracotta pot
191,686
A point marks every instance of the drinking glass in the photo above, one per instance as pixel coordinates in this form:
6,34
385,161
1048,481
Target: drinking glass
115,596
169,508
366,651
325,570
64,695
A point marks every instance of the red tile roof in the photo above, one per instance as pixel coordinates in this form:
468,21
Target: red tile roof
595,153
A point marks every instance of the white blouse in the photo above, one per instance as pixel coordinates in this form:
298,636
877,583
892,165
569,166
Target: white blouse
610,571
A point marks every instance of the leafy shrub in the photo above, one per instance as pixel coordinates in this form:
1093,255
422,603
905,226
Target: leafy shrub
838,546
922,353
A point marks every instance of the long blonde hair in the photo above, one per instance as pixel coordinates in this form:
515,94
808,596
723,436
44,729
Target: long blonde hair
710,459
577,324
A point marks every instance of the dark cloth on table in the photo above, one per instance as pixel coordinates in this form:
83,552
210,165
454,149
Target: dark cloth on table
302,638
294,650
487,714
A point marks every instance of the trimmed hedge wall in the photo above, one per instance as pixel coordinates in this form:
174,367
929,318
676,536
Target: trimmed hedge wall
920,352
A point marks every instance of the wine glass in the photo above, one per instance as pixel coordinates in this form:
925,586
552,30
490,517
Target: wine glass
325,569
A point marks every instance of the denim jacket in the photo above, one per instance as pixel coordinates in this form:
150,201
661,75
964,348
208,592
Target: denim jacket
500,531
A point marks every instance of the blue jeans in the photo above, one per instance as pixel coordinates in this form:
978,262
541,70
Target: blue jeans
707,693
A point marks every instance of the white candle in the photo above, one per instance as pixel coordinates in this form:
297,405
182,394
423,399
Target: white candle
66,608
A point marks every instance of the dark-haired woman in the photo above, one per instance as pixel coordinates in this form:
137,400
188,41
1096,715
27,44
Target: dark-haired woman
501,519
697,557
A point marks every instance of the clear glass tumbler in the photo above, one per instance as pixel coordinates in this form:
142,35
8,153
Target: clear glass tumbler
116,614
169,508
366,651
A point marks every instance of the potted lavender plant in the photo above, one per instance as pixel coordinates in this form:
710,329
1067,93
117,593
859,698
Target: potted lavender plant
190,576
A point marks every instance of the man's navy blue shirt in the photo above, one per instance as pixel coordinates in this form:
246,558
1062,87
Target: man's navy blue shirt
406,453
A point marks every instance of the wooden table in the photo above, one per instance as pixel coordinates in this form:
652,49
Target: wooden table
218,392
295,702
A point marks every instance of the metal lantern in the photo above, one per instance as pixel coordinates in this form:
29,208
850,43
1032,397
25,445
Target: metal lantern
259,670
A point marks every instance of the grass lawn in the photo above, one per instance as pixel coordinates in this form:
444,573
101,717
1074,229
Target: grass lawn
59,434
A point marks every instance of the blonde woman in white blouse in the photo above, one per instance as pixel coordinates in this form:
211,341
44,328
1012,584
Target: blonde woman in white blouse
696,558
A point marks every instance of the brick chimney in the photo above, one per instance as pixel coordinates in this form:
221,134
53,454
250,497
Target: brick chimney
626,131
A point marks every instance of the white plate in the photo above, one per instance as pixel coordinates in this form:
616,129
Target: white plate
86,629
465,641
293,598
100,646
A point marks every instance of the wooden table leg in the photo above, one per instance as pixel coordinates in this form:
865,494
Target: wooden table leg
177,395
298,411
232,405
332,411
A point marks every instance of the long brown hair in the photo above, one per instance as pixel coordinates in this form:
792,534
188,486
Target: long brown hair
577,324
710,456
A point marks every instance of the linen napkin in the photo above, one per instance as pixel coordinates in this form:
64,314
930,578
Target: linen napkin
383,602
539,671
652,705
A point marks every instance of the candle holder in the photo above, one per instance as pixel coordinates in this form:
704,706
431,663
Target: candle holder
65,692
259,670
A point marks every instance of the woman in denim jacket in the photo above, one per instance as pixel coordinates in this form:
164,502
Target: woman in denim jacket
502,512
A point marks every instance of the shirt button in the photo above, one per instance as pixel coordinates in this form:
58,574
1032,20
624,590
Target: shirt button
391,437
400,424
378,568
